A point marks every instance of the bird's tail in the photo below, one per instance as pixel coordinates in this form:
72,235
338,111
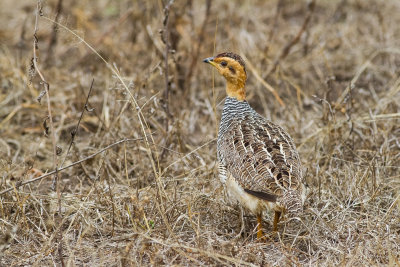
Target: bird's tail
292,202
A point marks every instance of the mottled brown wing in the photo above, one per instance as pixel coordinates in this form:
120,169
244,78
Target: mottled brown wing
261,156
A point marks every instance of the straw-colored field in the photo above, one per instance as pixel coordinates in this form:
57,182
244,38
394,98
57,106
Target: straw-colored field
327,73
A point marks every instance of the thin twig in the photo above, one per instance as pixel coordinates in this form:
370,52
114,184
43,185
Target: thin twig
188,154
53,38
207,253
165,39
110,193
263,82
199,44
68,166
75,131
286,49
53,135
274,28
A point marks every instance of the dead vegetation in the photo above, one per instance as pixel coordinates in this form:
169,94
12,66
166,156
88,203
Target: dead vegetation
153,198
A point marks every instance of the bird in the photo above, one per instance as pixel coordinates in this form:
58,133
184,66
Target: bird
258,163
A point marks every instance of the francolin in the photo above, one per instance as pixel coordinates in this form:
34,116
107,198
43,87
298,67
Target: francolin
258,161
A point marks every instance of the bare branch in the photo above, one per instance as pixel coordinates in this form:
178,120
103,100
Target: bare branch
165,39
286,49
75,131
53,135
199,43
53,38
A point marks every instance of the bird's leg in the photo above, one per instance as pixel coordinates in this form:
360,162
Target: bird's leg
259,227
276,220
241,223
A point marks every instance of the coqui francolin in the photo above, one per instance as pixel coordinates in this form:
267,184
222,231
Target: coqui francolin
258,161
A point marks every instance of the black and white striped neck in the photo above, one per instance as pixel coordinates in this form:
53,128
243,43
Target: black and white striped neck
233,106
233,109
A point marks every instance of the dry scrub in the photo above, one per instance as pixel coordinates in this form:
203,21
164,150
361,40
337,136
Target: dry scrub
154,198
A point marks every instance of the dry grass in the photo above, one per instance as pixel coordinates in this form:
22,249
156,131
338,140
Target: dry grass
157,200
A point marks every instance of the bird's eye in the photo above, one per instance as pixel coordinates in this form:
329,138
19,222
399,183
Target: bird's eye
224,64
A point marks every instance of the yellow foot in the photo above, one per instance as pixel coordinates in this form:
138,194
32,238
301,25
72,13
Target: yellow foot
276,220
260,234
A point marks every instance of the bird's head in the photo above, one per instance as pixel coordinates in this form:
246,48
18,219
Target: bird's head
232,67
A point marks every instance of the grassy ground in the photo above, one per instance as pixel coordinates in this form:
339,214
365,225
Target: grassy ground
155,199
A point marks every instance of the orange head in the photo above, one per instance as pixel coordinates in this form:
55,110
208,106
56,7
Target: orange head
232,67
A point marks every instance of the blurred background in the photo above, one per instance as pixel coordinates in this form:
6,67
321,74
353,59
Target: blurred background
326,71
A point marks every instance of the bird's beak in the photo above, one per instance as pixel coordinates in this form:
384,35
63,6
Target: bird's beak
209,60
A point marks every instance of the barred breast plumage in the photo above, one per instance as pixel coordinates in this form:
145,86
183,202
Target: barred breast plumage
258,161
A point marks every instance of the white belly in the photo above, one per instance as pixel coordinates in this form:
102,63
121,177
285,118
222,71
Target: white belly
252,203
